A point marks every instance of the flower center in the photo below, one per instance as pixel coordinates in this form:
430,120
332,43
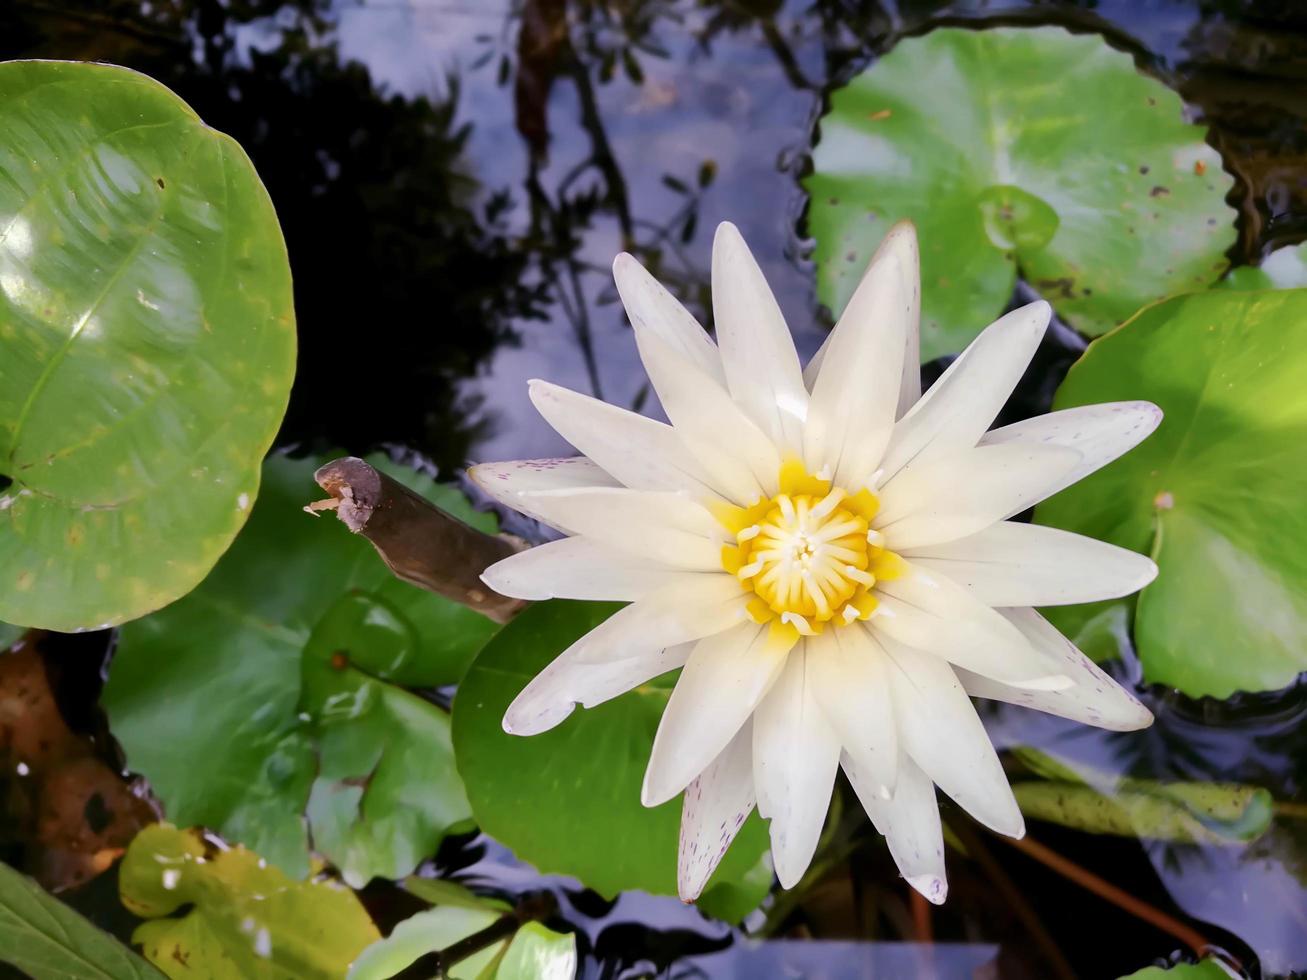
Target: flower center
809,554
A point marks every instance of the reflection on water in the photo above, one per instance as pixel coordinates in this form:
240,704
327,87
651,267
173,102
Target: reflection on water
454,178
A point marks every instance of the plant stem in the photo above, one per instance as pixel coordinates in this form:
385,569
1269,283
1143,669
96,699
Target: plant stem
1014,897
419,542
1105,889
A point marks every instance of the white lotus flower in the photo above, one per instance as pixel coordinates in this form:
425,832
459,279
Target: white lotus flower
828,557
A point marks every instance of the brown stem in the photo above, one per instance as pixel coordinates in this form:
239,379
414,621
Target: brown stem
1014,898
418,541
1105,889
922,931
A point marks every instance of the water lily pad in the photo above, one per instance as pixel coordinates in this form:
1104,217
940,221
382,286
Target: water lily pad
277,686
147,343
43,937
427,932
1216,494
1017,150
532,953
537,953
246,920
568,801
1285,268
1208,969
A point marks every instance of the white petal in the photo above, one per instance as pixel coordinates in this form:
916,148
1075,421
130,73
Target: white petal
692,605
909,822
1094,699
901,240
661,527
578,568
930,612
856,392
556,690
505,482
639,452
849,675
762,366
652,310
739,457
795,755
716,805
943,735
723,681
968,396
1100,433
965,492
1015,564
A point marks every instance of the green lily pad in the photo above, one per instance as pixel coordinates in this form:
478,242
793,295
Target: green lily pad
246,920
537,953
532,953
1216,494
276,687
1017,150
1103,803
147,343
43,937
1208,969
568,801
427,932
1285,268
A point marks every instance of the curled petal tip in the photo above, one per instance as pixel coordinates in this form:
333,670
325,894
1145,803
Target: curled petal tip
931,887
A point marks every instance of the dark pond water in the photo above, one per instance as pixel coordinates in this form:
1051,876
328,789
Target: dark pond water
454,177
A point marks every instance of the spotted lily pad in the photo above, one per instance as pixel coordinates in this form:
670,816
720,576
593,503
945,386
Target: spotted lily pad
1216,494
1030,151
244,919
278,687
568,801
147,343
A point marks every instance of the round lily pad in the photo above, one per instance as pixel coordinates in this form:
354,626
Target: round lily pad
147,343
1017,150
568,801
275,690
1216,494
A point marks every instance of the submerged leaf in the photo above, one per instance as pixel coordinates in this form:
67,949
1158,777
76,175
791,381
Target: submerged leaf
246,920
147,343
43,937
1215,495
568,800
1101,803
1017,150
233,704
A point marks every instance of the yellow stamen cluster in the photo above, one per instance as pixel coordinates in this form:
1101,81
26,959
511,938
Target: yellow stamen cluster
809,554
